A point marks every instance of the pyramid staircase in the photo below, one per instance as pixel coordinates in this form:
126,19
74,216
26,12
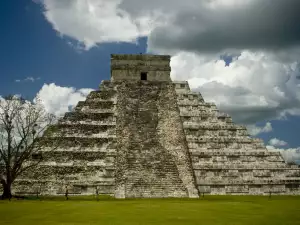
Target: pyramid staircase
148,162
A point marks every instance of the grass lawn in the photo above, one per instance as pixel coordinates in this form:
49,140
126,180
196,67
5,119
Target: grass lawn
210,210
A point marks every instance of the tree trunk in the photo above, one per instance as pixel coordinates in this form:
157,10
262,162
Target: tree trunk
6,190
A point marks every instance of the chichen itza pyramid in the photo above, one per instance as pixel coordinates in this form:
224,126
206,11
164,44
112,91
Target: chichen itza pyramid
143,135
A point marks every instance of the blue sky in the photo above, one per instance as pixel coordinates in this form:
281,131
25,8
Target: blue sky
31,46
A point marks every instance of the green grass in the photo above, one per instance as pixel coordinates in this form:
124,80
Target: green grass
210,210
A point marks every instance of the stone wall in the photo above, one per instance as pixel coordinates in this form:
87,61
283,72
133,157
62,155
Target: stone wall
130,67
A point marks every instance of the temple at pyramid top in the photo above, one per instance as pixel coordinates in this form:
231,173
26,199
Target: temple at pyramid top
140,67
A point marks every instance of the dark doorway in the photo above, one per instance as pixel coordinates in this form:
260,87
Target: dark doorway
143,76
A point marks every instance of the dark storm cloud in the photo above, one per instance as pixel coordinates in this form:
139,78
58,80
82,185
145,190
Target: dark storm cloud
237,96
261,24
237,104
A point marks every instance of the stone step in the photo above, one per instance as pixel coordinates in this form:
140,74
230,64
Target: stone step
187,94
146,166
242,166
215,133
106,94
76,141
188,107
238,157
212,126
169,171
248,188
73,165
156,195
97,110
237,160
92,104
210,146
261,181
194,102
102,181
162,174
78,173
201,115
84,128
235,173
149,164
207,139
81,135
81,116
59,156
163,183
155,192
103,101
89,122
233,152
183,97
157,188
105,149
167,182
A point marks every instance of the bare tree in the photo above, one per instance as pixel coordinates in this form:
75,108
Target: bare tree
67,192
22,123
97,193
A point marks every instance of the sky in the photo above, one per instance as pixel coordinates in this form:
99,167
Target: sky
244,55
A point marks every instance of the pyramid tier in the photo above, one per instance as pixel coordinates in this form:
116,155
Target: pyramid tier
82,130
225,159
89,118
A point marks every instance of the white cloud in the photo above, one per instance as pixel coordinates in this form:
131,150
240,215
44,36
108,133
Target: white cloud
256,86
190,25
58,100
255,130
31,79
259,85
98,21
277,142
291,155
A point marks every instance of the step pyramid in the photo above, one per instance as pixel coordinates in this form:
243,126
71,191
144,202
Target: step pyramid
144,136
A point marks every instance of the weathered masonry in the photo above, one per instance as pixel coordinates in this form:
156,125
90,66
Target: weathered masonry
142,135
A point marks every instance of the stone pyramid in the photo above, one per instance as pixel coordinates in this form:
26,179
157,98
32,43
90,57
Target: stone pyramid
142,135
